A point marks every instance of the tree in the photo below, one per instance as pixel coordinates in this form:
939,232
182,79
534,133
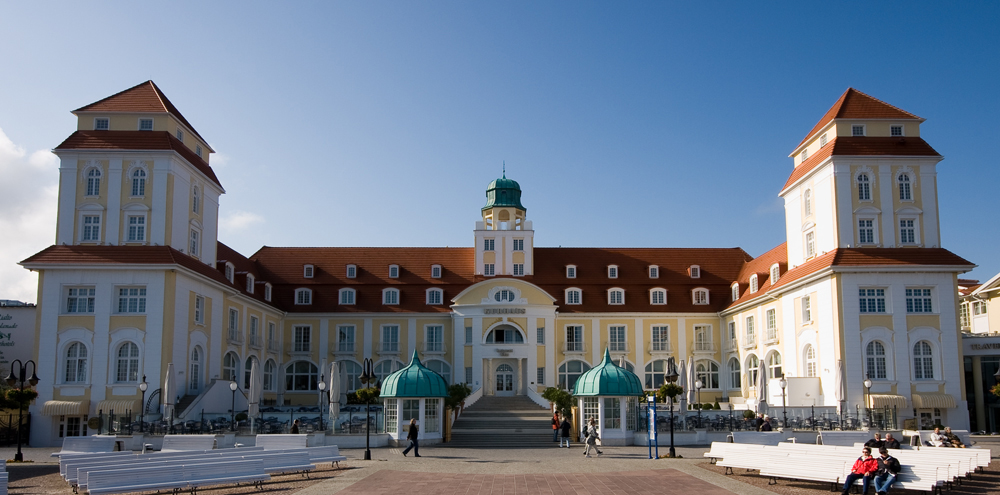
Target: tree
561,398
669,390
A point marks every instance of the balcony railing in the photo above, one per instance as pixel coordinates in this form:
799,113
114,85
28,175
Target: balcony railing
772,337
576,347
704,346
750,341
433,347
342,348
660,346
234,337
732,344
273,346
256,342
388,348
618,346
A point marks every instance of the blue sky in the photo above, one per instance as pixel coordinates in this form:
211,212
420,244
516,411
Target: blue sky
381,123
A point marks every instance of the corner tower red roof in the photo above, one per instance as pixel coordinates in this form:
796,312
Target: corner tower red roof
144,97
854,104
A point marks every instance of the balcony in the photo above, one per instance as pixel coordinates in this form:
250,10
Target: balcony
772,336
573,348
300,349
704,347
750,342
256,342
388,348
732,344
618,347
234,337
273,346
660,347
342,348
433,347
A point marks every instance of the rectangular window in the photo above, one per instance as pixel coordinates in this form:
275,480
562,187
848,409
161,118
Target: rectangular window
612,272
302,337
810,244
390,338
434,335
102,124
393,271
518,269
132,300
806,309
872,300
390,415
411,410
661,338
574,338
468,374
772,325
272,337
136,228
254,331
432,423
751,338
963,315
616,338
145,124
570,271
197,150
488,269
918,301
91,228
468,335
80,300
907,232
591,407
895,130
234,325
732,336
345,338
540,376
857,130
194,243
180,135
390,297
866,231
822,141
612,413
433,297
346,296
540,335
654,272
659,297
199,310
487,244
436,271
518,244
572,297
352,271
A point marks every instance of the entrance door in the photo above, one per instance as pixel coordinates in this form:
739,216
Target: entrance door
505,380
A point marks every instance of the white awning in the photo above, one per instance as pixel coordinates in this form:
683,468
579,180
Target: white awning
886,400
118,406
933,401
65,408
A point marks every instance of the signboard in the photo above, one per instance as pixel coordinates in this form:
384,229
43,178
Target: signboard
17,335
651,414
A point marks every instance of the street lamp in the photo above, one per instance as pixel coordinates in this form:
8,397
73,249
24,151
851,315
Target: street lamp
322,390
868,396
784,414
697,388
142,403
671,377
368,376
11,380
232,412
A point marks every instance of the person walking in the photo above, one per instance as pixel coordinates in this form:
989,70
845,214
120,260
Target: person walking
888,468
412,437
295,427
555,427
564,428
864,468
592,438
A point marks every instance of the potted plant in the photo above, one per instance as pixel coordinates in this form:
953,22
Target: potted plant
457,394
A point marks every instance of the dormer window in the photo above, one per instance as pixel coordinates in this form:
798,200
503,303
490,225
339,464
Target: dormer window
654,271
616,296
694,271
858,130
352,271
775,273
230,272
753,283
390,296
347,296
102,124
612,271
896,130
570,271
197,151
267,292
699,296
393,271
434,296
303,296
658,296
805,155
250,282
735,289
822,140
574,296
435,271
308,271
145,124
180,135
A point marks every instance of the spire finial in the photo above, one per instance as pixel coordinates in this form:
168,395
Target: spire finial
505,169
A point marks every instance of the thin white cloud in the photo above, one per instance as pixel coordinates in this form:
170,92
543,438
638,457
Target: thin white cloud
28,205
239,221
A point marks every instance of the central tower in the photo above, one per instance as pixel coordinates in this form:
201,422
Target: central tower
504,238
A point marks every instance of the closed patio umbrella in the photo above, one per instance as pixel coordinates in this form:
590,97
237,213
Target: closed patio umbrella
256,391
683,382
762,389
335,388
169,394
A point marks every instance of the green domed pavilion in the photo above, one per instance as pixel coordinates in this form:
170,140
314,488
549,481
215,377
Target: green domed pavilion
415,391
610,394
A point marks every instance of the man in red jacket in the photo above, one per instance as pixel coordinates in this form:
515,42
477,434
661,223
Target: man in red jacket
865,468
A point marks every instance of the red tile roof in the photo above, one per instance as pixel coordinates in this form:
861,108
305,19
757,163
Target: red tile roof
136,140
145,97
854,104
877,257
862,146
761,266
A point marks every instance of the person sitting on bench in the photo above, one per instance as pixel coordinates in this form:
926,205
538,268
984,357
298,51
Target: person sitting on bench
865,468
890,442
953,439
875,443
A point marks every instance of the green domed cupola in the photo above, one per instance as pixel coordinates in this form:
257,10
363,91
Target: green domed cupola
608,379
415,380
503,192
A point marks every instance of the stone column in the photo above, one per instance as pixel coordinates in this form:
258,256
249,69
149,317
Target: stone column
489,382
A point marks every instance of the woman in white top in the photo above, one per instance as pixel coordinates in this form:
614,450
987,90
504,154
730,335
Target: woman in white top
937,438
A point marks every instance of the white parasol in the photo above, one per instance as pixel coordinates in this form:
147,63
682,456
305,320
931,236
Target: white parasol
838,385
335,389
256,391
169,394
691,392
683,382
761,388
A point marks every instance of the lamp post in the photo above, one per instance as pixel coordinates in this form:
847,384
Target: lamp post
697,388
142,403
232,412
784,414
11,380
671,377
322,391
368,376
868,396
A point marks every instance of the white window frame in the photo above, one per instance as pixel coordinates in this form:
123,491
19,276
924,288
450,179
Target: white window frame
489,269
874,299
616,296
570,271
804,155
694,271
612,271
138,177
864,186
810,244
347,297
92,176
195,200
346,338
568,296
250,283
434,296
913,230
352,271
391,344
194,242
806,307
654,271
867,230
659,338
917,304
658,296
230,272
518,245
775,273
197,150
697,300
859,127
199,309
140,299
873,362
771,318
618,338
734,291
93,232
390,297
810,368
141,121
303,296
102,120
308,271
489,244
267,292
180,134
928,361
86,293
822,140
436,271
81,374
904,178
302,338
893,127
518,269
753,284
393,271
807,203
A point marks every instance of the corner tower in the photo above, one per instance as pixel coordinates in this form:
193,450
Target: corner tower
504,238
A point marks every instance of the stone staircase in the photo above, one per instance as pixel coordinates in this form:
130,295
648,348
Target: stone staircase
503,422
183,404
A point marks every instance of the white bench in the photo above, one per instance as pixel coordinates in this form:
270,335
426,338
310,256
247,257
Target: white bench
3,483
180,443
808,468
326,453
281,442
177,476
808,463
759,437
77,445
75,468
843,438
752,459
720,450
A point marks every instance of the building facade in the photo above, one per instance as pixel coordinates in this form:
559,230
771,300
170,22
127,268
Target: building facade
137,280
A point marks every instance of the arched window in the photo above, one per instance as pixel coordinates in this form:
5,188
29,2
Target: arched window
569,372
807,202
875,361
708,373
654,374
390,296
303,296
810,361
230,363
753,283
230,272
353,372
504,335
76,363
574,296
386,367
864,188
658,296
616,296
440,367
774,365
139,182
127,363
753,369
700,296
194,375
94,182
775,273
923,361
434,296
734,373
905,194
195,200
735,289
301,376
247,367
270,370
347,296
